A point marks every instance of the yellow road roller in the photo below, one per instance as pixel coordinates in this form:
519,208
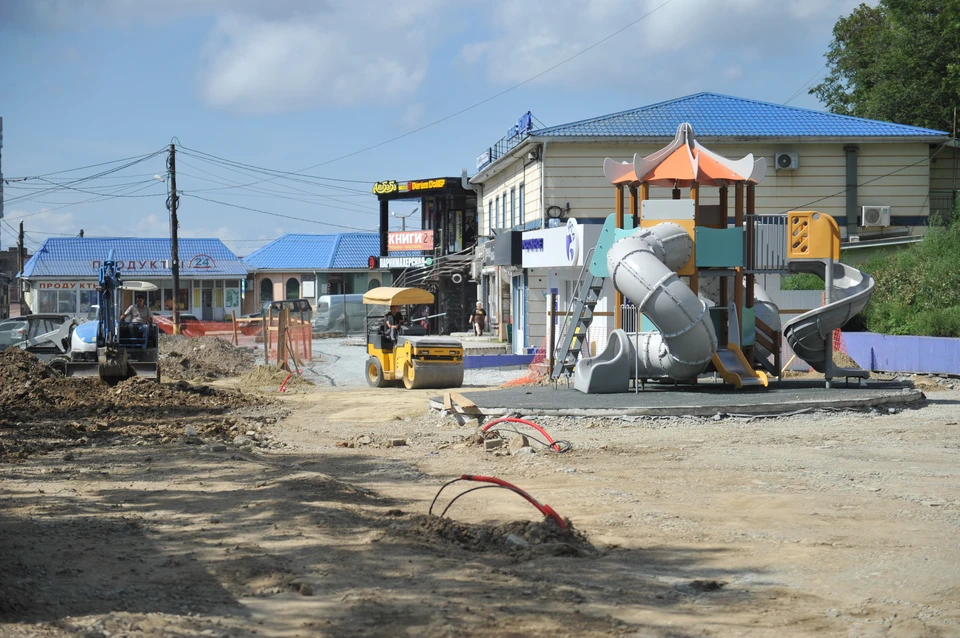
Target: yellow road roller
420,361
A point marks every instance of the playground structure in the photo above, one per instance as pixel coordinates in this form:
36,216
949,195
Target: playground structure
690,276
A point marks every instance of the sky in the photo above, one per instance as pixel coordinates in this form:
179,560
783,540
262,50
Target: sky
286,112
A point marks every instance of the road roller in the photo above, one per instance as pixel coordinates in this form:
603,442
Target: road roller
418,360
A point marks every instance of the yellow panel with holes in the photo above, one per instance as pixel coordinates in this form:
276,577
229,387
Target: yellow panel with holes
812,235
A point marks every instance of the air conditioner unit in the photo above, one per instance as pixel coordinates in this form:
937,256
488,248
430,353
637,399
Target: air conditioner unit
878,216
787,161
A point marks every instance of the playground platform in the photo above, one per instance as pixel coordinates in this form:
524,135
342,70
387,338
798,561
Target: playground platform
707,398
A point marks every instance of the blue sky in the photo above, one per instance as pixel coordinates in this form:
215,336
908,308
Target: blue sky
291,84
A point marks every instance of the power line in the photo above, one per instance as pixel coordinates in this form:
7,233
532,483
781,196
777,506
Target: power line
265,212
99,198
269,193
481,102
81,180
805,84
83,168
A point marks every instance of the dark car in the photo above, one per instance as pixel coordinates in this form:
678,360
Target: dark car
16,330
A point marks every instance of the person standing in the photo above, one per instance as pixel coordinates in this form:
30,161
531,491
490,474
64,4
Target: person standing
478,319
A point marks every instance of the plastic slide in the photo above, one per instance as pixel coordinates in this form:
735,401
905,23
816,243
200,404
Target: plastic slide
733,368
808,334
643,267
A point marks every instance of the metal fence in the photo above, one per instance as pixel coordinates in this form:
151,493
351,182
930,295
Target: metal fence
766,247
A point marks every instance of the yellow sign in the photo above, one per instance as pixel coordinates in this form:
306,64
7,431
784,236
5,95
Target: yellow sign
430,183
391,186
384,188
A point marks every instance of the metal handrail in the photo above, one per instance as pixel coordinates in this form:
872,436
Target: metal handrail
568,318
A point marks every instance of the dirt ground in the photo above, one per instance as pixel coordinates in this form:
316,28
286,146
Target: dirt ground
201,358
305,514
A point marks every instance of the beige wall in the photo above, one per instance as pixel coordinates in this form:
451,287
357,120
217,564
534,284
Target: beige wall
517,172
574,173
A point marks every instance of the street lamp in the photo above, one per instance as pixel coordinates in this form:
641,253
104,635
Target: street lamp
403,218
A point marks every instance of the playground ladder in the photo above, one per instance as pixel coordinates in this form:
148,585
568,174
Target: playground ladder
573,334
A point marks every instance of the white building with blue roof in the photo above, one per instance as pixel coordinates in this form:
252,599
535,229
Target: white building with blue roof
305,266
62,275
881,181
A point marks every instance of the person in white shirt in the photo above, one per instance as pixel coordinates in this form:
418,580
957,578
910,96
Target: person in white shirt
138,312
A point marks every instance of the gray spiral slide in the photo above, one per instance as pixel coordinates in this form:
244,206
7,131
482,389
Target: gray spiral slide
643,268
810,335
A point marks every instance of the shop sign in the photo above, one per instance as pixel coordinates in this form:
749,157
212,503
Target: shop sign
410,240
197,262
558,247
506,249
405,262
388,187
484,158
66,285
385,187
427,184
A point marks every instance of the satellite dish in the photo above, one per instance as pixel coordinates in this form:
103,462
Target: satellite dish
141,286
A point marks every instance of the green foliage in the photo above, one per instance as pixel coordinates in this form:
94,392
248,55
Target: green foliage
801,281
898,62
918,288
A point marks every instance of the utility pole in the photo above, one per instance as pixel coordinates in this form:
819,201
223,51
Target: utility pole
172,202
20,278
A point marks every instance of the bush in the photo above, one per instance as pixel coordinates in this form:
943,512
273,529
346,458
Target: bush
918,288
801,281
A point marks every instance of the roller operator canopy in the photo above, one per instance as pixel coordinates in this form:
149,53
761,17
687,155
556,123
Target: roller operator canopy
387,296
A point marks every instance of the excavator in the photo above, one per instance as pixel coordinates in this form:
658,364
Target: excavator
123,350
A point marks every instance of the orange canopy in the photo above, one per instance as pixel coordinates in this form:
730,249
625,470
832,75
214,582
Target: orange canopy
682,162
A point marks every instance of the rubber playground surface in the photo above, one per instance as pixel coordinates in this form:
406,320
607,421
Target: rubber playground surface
705,399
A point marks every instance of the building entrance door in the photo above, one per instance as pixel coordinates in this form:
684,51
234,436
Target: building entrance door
206,303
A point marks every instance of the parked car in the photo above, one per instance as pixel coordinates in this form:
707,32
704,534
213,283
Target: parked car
330,313
15,330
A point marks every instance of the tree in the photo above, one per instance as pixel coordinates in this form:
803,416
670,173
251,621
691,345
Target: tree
897,62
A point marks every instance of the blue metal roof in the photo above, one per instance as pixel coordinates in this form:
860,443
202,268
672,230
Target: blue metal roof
316,252
142,257
714,115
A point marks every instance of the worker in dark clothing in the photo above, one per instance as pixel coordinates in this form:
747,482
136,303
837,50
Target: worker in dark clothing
392,322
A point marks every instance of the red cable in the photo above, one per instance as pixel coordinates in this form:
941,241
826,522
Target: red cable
539,429
283,386
545,509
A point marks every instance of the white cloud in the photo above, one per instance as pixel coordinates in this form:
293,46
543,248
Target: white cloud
689,42
320,55
413,115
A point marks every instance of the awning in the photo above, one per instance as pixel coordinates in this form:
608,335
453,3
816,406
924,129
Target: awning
387,296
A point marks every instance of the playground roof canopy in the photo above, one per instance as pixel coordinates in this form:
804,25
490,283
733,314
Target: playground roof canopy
683,162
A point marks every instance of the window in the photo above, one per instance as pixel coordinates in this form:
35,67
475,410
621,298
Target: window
520,203
513,207
505,209
88,299
266,289
64,301
496,212
293,288
489,217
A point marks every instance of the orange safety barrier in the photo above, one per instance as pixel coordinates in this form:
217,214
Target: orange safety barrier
294,342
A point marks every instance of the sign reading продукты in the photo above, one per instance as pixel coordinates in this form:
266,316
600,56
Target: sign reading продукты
197,262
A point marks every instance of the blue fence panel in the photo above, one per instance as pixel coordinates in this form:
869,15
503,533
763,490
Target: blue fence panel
889,353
